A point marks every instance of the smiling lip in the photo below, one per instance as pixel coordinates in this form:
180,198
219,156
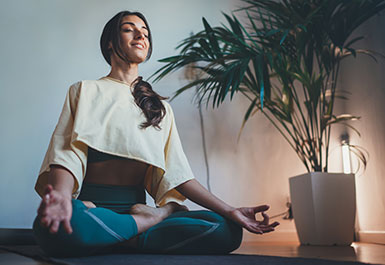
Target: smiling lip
139,45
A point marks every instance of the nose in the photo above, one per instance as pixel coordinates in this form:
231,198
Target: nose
139,35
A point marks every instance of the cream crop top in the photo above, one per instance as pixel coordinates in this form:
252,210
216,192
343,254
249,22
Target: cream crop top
102,114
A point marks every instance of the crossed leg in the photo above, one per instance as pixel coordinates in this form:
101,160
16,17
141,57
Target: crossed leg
192,232
96,228
182,232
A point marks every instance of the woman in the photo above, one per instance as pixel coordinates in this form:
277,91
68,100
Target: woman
100,161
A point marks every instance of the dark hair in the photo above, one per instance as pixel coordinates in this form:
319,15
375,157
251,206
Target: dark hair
146,98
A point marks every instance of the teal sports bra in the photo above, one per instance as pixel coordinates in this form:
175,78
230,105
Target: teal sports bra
96,156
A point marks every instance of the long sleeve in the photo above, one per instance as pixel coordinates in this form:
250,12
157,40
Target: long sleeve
62,150
177,168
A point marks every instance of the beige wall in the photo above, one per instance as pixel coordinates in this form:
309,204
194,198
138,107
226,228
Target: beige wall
365,79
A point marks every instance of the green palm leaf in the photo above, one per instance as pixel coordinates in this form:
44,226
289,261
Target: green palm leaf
295,45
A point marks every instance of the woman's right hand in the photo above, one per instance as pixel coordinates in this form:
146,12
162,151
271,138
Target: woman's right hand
55,208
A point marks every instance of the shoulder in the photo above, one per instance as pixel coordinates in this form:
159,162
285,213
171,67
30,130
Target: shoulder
73,90
168,118
86,83
169,111
76,87
165,104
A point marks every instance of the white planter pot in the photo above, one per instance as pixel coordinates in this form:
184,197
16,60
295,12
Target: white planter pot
324,207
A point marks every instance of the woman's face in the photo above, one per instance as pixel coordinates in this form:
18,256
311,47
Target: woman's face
134,38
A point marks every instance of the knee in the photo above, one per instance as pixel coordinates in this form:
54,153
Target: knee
232,235
59,244
49,243
228,233
236,234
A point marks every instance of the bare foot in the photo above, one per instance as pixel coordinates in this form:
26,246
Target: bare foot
148,211
179,207
161,212
147,216
89,204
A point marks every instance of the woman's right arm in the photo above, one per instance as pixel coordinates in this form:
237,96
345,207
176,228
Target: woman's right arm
61,180
56,205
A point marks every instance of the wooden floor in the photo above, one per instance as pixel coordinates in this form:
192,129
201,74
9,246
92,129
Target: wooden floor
363,252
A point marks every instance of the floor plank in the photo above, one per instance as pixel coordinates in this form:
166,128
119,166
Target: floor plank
362,252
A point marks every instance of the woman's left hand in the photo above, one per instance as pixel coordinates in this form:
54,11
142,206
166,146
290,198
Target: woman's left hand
245,216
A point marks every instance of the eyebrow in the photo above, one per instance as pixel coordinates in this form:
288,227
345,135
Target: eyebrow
130,23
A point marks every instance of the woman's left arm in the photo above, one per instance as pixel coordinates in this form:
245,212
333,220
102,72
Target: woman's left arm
245,216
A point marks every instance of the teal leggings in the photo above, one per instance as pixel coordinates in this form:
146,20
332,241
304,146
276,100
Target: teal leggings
108,226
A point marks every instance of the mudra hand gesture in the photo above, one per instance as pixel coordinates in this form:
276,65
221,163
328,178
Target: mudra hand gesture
245,216
55,208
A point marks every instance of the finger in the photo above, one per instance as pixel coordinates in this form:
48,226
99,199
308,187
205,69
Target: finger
258,228
257,231
47,209
254,229
265,219
265,227
43,221
268,230
275,224
54,198
42,212
46,221
41,208
47,197
48,188
269,225
261,208
54,227
67,226
44,200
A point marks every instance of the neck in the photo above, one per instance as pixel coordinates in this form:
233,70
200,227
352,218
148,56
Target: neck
124,71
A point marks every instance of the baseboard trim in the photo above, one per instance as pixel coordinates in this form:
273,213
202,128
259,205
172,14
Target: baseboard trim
377,237
17,236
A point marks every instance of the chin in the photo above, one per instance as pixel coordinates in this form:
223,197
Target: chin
137,59
141,60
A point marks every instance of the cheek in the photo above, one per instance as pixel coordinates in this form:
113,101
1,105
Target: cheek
148,44
124,39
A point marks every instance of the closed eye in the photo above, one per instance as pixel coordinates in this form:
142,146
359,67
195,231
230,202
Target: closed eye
130,30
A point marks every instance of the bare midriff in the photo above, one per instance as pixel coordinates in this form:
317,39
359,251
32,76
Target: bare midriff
116,172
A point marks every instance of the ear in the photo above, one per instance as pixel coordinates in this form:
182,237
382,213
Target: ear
110,45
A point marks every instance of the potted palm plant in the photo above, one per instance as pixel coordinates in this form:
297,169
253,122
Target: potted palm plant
286,59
